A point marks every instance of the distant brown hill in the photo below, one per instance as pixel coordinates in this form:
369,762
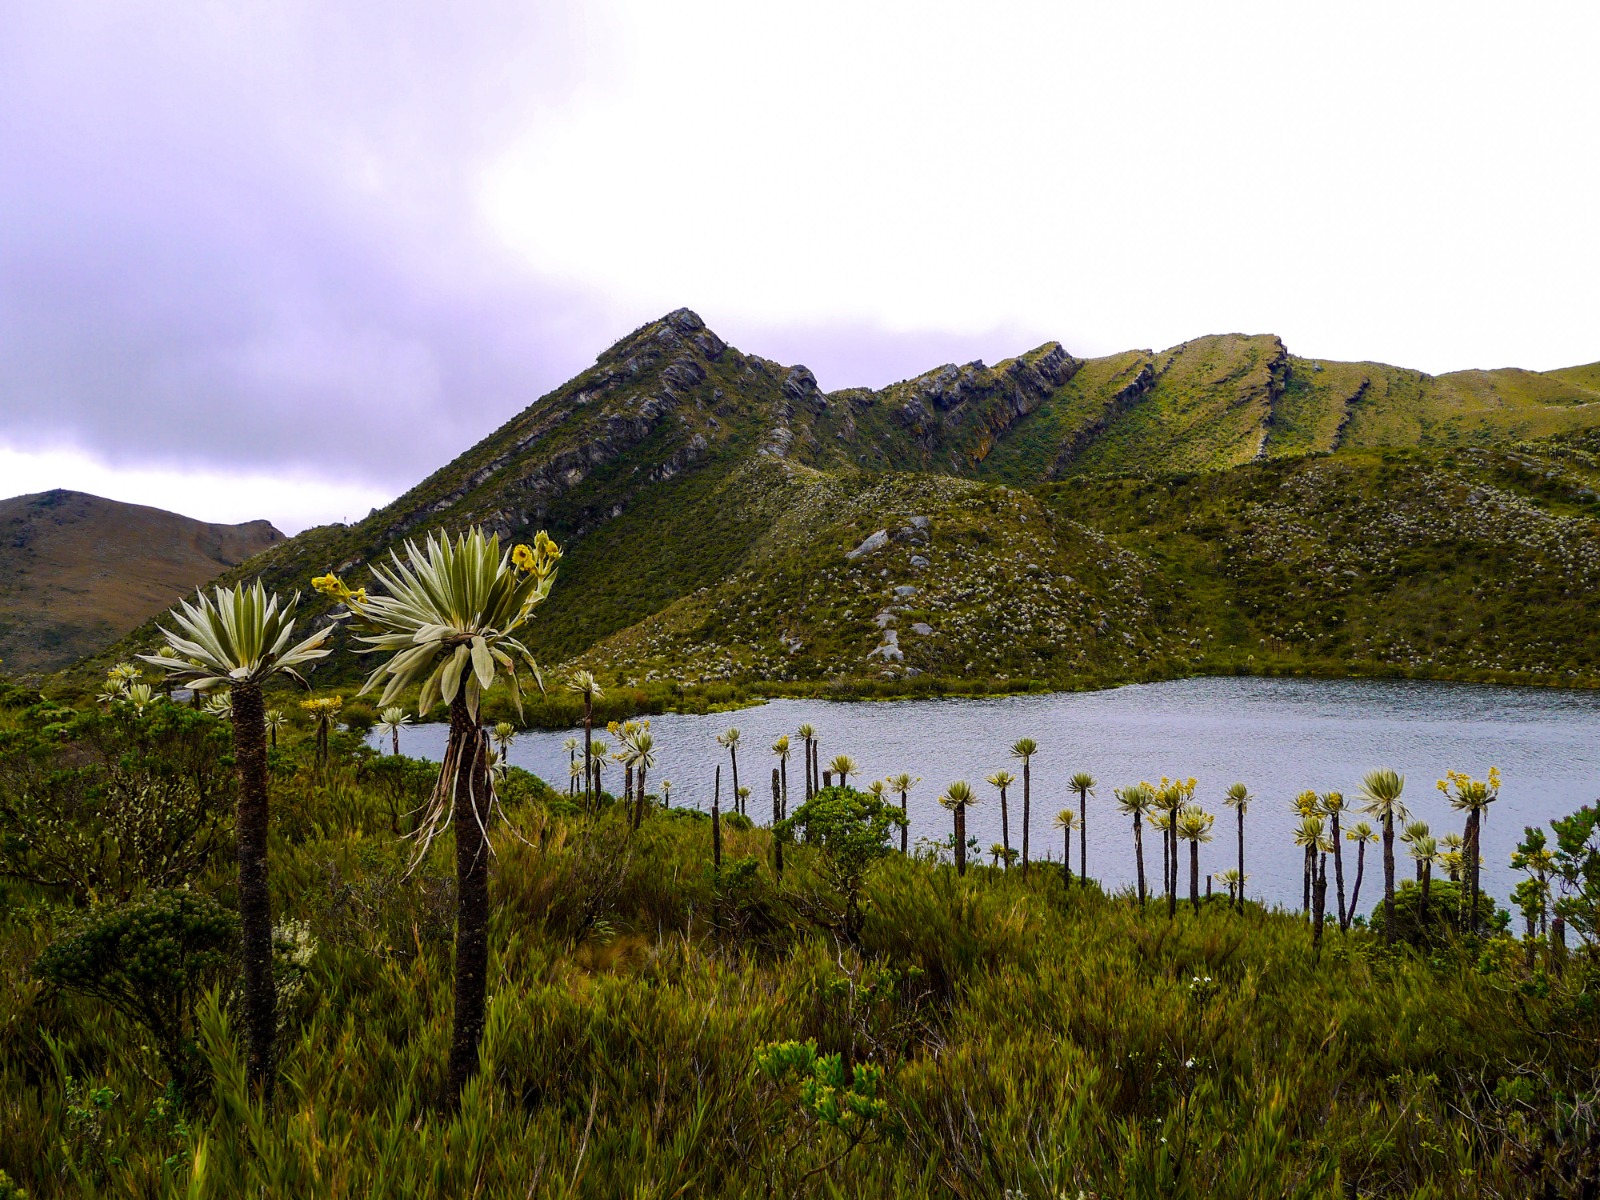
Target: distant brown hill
78,571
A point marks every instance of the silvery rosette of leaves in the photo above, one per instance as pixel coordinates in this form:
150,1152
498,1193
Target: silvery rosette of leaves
447,618
235,635
449,613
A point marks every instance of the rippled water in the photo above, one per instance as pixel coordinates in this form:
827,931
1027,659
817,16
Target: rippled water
1278,736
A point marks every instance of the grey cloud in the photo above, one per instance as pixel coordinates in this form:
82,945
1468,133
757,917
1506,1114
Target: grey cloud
246,235
250,239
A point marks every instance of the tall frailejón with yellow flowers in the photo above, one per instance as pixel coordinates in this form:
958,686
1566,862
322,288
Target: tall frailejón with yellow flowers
239,638
449,615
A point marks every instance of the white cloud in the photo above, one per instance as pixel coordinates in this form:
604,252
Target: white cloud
1405,181
313,241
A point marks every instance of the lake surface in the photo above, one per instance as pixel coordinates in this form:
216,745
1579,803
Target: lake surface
1278,736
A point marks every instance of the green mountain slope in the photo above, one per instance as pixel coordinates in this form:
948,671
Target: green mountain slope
1049,513
1471,564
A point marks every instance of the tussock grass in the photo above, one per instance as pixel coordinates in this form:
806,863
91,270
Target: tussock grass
1035,1039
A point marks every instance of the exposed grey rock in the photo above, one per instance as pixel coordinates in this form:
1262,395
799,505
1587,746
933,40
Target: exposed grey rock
800,383
890,650
872,542
918,561
923,628
919,523
885,619
905,590
778,442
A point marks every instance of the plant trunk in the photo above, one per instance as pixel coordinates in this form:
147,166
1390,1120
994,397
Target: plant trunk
395,731
827,779
1066,858
627,793
1138,854
1083,838
1338,874
961,840
1005,829
638,801
733,757
1307,875
810,766
716,821
1194,876
777,815
255,901
1361,865
1167,863
1427,890
471,823
1027,811
1474,826
1177,864
1558,946
1319,903
1388,880
588,754
1240,894
1171,834
905,824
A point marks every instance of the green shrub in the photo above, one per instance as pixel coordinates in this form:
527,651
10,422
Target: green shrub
1446,913
151,960
103,805
849,832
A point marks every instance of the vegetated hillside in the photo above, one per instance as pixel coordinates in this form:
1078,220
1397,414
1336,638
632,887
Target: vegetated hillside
706,498
78,571
1476,564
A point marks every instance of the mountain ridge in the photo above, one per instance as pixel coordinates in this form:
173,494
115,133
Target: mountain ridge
665,467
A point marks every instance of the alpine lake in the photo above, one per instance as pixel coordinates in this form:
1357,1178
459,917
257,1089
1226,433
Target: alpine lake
1277,736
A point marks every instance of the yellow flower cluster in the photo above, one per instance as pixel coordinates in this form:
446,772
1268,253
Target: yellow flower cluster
1468,788
331,585
323,705
540,559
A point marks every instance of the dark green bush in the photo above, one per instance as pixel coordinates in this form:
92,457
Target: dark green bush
151,960
103,805
849,830
1446,913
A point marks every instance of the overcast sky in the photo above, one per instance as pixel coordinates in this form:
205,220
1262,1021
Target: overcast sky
281,260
